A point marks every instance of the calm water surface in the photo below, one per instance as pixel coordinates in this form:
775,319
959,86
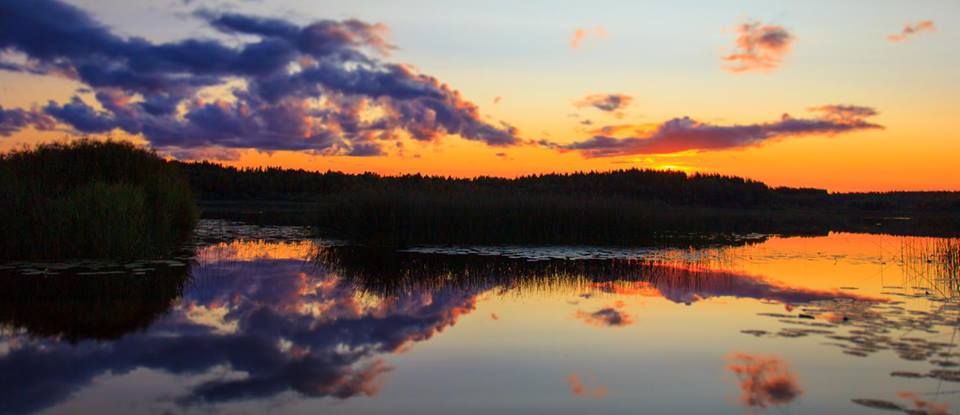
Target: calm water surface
267,320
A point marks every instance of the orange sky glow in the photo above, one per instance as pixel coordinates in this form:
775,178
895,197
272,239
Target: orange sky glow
768,92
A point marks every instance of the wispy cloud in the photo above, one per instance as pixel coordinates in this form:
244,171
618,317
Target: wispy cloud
580,34
910,30
759,47
605,102
686,134
323,88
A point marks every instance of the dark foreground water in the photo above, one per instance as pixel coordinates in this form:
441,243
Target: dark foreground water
258,320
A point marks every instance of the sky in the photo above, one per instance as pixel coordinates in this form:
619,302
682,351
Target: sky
848,96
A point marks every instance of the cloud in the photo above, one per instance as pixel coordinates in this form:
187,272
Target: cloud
322,88
287,327
759,47
14,119
205,153
609,316
685,133
586,389
580,34
605,102
687,285
764,380
913,29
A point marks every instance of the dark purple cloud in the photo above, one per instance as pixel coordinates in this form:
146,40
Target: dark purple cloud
684,134
322,87
609,316
14,119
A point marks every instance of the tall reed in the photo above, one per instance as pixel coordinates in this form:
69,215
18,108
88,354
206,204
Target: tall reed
91,199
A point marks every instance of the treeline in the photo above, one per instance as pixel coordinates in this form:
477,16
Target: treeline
215,182
618,207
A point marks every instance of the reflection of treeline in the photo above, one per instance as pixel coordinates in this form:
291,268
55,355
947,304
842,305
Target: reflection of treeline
389,272
625,206
88,306
88,199
682,279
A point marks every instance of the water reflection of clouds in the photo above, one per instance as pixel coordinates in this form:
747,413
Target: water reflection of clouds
587,387
289,325
764,381
612,315
284,325
687,286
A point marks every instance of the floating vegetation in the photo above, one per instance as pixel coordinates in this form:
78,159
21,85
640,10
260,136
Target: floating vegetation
868,327
878,404
925,310
214,231
911,375
920,406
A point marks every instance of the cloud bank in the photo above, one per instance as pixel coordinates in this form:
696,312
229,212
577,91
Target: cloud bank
759,47
686,134
323,87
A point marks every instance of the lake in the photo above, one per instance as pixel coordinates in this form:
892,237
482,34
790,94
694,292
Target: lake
254,319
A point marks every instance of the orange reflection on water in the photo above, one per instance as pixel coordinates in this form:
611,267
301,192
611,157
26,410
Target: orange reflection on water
589,389
764,380
247,251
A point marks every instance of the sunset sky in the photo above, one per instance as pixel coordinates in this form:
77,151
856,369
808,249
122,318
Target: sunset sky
848,96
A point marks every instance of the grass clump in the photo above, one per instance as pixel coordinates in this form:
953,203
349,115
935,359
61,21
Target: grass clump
91,199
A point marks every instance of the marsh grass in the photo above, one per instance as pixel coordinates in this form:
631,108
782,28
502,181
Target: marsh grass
91,199
933,263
